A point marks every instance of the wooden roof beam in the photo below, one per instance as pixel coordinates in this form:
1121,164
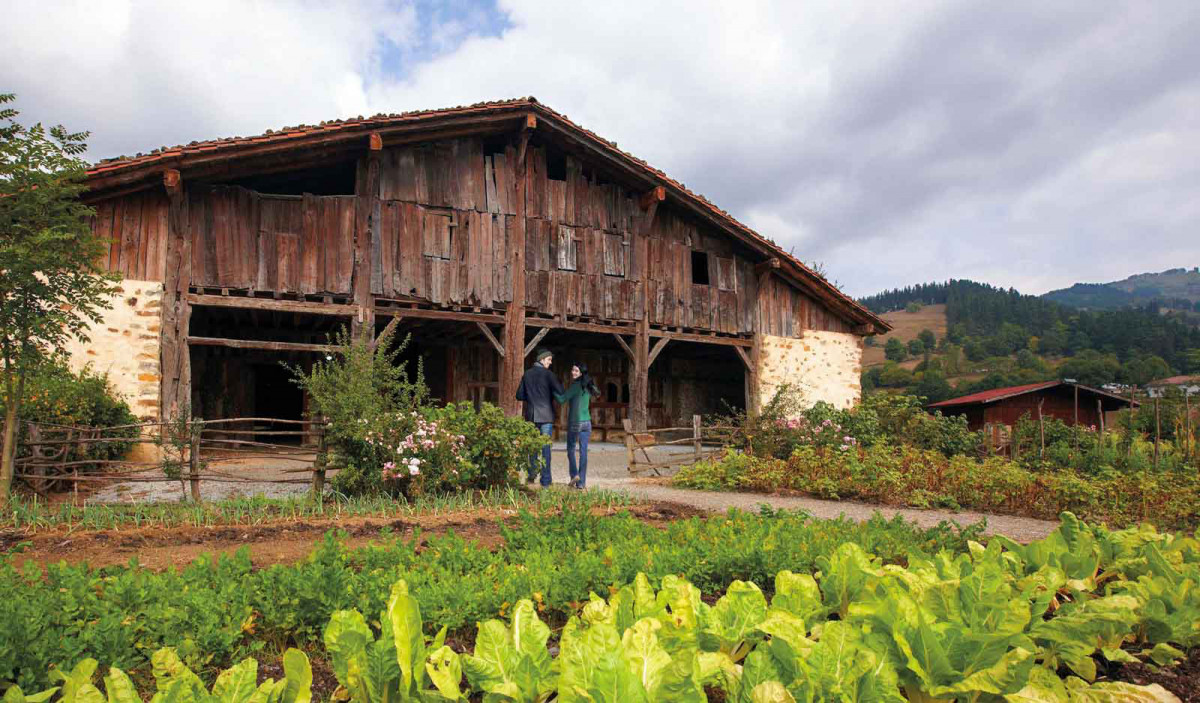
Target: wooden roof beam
375,141
173,182
651,197
527,128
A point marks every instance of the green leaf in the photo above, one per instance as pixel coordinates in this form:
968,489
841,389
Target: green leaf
1117,692
237,683
346,637
298,675
844,576
494,660
771,692
644,655
78,677
1043,686
798,594
735,617
15,695
118,687
1164,654
445,671
404,614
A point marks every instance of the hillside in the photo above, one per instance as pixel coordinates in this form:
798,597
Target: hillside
905,327
986,337
1174,289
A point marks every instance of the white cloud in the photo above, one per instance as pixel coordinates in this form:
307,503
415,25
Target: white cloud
1021,143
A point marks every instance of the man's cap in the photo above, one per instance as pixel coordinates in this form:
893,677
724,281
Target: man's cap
542,354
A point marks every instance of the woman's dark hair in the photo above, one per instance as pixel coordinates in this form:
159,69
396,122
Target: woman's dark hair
589,385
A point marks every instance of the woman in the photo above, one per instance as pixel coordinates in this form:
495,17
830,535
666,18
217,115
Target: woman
579,420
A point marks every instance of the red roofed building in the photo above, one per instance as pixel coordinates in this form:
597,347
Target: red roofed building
1059,399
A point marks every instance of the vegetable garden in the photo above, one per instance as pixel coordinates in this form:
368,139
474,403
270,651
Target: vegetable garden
574,607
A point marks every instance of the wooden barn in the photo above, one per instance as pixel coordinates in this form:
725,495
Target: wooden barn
483,232
1072,403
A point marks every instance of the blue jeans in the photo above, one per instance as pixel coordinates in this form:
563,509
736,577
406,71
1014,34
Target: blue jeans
543,459
581,431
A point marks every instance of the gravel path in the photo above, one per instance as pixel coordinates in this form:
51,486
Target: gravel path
607,469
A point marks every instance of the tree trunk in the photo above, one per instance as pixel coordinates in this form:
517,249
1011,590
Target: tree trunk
8,454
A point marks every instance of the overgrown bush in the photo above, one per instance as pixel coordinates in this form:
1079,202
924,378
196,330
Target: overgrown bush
784,424
904,475
56,395
387,438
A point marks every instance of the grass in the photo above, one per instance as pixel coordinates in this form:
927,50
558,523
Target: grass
32,514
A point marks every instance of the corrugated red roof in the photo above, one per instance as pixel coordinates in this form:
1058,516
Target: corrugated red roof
172,157
995,394
1002,393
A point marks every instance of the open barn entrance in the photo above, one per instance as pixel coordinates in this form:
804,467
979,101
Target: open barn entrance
238,359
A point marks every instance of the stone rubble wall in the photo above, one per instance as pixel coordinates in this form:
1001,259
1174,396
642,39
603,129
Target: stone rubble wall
822,365
126,347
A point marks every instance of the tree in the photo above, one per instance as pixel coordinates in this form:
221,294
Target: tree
894,350
933,386
928,338
916,347
52,284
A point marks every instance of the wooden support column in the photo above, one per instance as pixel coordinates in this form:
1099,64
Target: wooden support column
762,272
514,315
639,371
175,367
366,240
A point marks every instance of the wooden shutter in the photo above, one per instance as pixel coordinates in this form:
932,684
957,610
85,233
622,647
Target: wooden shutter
568,250
437,228
614,255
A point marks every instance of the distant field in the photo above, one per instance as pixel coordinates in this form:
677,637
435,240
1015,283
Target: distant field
907,325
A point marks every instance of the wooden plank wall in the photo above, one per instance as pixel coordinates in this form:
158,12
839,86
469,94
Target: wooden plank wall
447,228
136,227
292,244
787,312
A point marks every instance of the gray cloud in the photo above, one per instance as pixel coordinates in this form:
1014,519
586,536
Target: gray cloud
1024,144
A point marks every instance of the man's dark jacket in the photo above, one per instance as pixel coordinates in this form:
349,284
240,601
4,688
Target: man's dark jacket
537,390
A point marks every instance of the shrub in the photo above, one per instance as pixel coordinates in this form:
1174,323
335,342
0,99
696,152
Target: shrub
498,446
56,395
366,396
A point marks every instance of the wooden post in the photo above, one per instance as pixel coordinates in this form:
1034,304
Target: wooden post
696,436
1187,415
514,315
175,369
1156,432
1076,423
629,443
318,478
368,211
194,461
639,374
1100,416
1041,431
1129,450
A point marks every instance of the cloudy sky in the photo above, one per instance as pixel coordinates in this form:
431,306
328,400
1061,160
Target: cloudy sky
1026,144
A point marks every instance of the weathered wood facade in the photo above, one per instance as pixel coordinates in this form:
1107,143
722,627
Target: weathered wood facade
482,229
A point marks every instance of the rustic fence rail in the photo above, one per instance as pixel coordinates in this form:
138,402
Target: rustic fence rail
643,441
53,457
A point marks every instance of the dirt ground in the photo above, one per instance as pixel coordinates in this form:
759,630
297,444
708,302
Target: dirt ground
279,542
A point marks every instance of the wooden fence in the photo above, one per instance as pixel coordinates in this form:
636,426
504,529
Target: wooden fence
53,457
636,442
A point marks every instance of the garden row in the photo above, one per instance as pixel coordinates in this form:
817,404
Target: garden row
1043,622
217,610
904,475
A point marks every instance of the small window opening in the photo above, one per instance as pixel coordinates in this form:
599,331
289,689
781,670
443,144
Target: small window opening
610,393
700,268
556,165
334,179
625,393
495,144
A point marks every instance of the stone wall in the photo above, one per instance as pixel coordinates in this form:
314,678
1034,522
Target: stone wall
126,347
822,365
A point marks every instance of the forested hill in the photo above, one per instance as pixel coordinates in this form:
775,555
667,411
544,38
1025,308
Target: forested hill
1003,322
1175,289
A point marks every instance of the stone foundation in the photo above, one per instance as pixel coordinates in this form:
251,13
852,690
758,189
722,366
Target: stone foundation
126,347
821,365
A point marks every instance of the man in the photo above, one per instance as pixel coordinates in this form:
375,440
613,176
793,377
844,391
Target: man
537,390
